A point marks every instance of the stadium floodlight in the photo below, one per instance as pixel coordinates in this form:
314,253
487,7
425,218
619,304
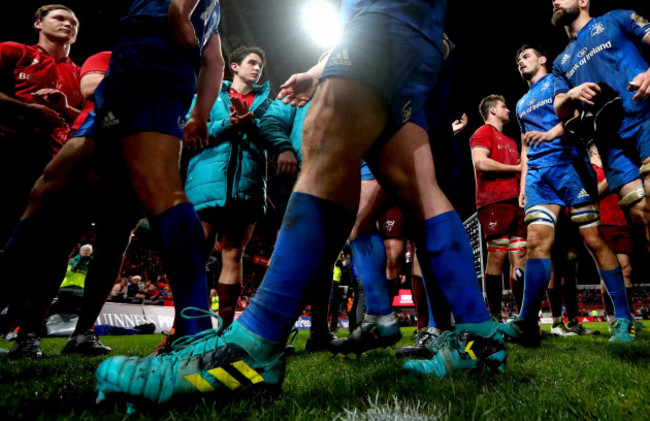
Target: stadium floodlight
321,20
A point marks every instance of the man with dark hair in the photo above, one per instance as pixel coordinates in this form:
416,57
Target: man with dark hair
226,182
557,174
497,168
38,102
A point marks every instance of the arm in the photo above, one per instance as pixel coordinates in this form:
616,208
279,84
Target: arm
43,114
524,171
209,84
566,103
459,124
180,14
275,126
534,138
56,100
89,83
483,162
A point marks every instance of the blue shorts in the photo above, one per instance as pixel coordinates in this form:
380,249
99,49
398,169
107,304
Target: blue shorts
391,56
619,165
641,136
149,87
571,185
87,129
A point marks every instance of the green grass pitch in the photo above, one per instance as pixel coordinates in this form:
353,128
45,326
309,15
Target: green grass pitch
567,378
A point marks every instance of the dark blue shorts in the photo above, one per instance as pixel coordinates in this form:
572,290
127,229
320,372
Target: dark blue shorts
391,56
149,87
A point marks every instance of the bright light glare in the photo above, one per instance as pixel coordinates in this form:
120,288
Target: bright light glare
321,20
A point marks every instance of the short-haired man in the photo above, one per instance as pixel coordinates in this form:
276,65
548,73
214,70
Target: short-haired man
497,169
601,61
557,174
226,182
360,98
39,101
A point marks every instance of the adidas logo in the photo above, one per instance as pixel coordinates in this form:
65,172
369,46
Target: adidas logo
341,58
583,193
110,120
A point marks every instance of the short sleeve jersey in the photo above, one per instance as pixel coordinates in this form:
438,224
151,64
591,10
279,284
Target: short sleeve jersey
427,16
97,63
31,68
205,17
495,187
610,212
607,50
535,113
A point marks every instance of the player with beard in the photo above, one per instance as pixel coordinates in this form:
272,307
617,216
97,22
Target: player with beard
603,56
603,60
557,174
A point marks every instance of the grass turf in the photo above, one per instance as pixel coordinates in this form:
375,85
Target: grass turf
567,378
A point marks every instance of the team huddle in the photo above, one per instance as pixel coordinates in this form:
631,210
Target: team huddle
368,99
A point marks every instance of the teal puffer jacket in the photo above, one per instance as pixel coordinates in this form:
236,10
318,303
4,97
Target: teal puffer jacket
233,168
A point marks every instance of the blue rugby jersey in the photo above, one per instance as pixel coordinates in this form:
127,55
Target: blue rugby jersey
426,16
535,113
607,50
205,17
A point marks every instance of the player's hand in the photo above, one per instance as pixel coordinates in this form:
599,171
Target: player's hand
240,113
182,28
47,115
584,93
287,164
195,134
299,89
459,124
522,198
53,98
640,84
534,138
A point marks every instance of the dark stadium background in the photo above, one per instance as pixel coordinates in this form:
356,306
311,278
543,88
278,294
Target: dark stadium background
487,35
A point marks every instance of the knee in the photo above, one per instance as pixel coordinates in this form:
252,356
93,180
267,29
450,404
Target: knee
232,255
538,244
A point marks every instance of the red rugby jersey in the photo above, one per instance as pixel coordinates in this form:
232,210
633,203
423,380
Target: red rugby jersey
495,187
610,212
33,69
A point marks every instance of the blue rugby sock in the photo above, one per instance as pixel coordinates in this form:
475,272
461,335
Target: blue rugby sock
439,312
446,260
369,261
537,275
183,256
313,232
613,280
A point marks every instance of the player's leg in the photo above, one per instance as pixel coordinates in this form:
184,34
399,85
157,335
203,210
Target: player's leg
236,235
497,252
323,206
541,221
55,227
406,164
113,233
152,162
611,274
379,327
